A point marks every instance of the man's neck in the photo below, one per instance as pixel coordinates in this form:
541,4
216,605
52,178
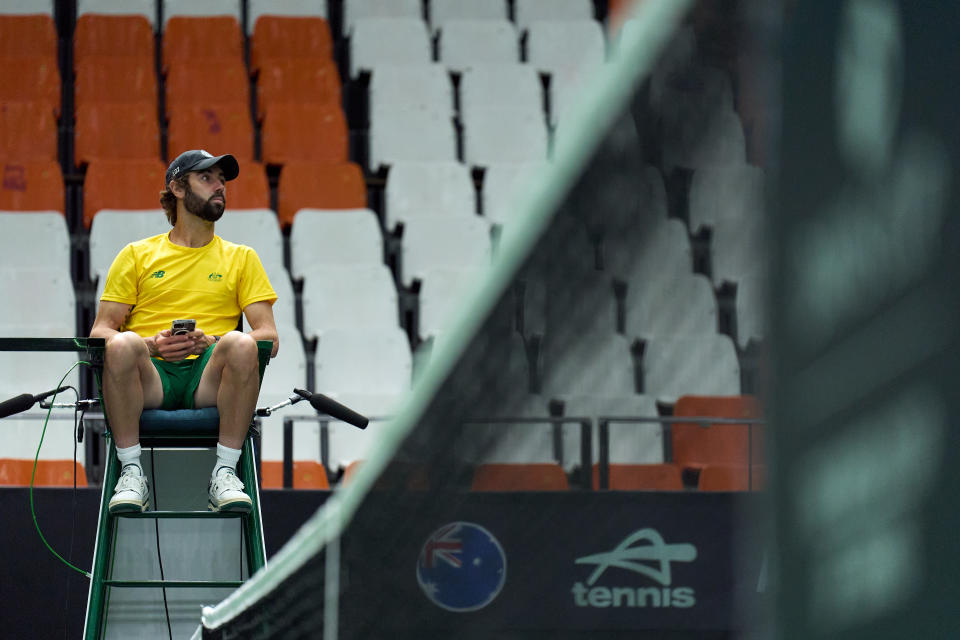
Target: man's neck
191,231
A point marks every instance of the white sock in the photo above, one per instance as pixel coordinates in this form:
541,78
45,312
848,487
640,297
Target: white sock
226,457
130,456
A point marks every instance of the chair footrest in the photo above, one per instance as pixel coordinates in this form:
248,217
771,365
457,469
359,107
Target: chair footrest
180,514
172,584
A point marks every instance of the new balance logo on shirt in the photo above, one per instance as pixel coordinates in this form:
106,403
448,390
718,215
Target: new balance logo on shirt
157,274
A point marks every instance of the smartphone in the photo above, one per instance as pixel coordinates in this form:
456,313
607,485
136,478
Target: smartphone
180,327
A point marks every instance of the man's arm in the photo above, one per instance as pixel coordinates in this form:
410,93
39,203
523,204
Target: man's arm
262,325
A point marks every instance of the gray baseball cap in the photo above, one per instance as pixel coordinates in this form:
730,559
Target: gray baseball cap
198,160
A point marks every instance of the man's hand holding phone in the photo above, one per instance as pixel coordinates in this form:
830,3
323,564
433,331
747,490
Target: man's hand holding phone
182,339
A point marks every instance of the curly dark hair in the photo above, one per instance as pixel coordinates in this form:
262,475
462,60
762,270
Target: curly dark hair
169,201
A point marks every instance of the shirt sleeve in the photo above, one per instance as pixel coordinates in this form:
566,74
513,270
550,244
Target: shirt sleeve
254,285
121,284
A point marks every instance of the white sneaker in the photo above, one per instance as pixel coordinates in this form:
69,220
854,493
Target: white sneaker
131,492
226,492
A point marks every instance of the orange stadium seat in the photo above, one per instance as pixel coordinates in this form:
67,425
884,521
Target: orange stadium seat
214,126
519,477
188,82
112,35
115,79
307,474
719,477
50,473
726,444
315,81
28,35
32,186
200,39
122,184
38,81
642,477
304,132
413,477
289,37
319,185
116,130
250,190
28,131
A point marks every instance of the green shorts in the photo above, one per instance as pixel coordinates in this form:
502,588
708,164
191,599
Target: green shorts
180,379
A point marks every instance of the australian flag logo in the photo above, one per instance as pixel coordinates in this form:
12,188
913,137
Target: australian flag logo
461,567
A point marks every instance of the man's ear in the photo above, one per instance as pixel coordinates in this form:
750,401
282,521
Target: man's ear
176,188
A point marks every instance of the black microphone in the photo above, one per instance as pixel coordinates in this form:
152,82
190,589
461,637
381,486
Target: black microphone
333,408
24,401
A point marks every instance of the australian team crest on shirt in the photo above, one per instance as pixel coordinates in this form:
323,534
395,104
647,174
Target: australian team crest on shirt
461,567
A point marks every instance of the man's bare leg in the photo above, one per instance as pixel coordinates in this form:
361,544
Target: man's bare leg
130,384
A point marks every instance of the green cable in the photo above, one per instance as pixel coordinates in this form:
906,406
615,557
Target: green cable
34,473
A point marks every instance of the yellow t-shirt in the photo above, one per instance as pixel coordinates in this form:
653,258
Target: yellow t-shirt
164,282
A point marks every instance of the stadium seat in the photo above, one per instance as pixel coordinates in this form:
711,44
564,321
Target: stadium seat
428,188
193,39
413,477
32,186
113,131
600,363
410,86
680,305
38,81
501,85
314,81
318,185
503,184
641,477
334,238
371,362
140,188
49,473
707,365
725,192
268,10
28,132
43,297
111,230
104,35
526,12
504,134
343,297
50,240
655,248
696,446
464,43
145,8
250,190
188,82
354,10
212,8
695,140
377,41
636,442
443,10
719,477
737,249
557,44
115,79
412,134
299,37
519,477
294,132
443,292
31,36
444,241
211,126
254,227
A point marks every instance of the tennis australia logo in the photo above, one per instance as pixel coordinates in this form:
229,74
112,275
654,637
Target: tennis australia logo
642,552
157,274
215,277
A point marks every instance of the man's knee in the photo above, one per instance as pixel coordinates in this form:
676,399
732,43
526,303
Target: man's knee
240,348
124,350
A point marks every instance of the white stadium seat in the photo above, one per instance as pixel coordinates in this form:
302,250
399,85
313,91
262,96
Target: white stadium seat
334,238
464,43
504,134
428,188
377,41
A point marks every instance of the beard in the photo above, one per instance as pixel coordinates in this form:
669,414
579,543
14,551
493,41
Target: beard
204,209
